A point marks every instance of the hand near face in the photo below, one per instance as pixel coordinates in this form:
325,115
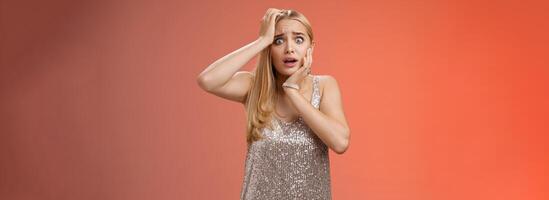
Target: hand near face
304,70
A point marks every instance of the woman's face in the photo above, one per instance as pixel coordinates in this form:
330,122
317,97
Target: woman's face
289,46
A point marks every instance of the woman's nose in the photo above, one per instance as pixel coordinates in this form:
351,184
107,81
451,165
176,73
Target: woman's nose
289,48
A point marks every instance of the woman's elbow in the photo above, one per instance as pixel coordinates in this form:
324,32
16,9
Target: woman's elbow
343,145
203,83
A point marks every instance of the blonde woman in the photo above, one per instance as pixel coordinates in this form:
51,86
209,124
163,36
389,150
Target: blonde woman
293,117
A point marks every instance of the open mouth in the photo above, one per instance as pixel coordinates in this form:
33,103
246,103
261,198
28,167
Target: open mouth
290,62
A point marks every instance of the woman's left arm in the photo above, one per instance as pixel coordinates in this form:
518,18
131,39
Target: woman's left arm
328,123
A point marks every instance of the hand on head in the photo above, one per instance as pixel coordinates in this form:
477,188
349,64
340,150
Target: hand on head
268,22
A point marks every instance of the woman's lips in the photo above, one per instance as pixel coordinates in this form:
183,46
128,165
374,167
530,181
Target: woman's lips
290,64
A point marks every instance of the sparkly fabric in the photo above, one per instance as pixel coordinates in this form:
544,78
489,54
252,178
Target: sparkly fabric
290,162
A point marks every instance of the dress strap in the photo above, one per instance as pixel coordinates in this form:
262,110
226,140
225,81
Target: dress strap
315,100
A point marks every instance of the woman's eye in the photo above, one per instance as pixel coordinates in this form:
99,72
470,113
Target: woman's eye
299,40
278,41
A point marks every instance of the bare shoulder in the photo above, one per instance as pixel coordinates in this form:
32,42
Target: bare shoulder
331,102
327,81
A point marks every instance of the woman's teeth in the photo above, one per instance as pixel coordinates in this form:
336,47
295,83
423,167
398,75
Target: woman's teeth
290,60
290,63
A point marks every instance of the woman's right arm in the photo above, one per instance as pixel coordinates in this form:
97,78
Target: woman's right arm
222,77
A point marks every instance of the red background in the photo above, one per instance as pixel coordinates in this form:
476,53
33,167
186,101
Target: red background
445,99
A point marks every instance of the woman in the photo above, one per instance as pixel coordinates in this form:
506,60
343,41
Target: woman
293,117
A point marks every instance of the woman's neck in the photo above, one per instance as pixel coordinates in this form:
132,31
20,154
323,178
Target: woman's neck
280,79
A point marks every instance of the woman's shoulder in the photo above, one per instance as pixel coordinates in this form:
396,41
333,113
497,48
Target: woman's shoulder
325,80
324,77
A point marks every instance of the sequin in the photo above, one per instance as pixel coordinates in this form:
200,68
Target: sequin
290,162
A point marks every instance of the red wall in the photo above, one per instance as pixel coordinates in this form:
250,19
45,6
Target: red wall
445,99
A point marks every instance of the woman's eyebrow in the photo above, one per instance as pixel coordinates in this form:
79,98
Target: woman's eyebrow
294,32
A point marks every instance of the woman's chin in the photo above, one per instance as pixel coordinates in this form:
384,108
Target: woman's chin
287,71
290,71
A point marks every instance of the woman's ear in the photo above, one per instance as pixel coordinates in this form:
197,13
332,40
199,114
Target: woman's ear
313,44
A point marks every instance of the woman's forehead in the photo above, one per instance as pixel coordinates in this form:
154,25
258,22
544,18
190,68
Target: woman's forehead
289,26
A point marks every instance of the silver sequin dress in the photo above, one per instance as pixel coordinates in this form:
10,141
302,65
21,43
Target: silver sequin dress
290,162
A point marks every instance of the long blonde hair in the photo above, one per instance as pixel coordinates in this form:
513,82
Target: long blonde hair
262,96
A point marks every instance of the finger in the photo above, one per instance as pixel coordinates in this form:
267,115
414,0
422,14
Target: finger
302,68
277,14
274,11
302,71
269,12
265,17
308,57
274,15
305,69
304,61
311,57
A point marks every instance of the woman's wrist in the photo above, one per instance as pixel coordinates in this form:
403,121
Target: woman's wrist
289,90
290,85
264,41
